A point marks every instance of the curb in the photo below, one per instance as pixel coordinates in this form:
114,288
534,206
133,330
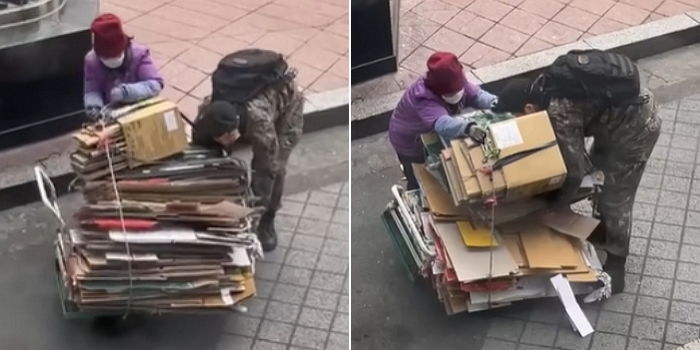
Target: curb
372,116
17,185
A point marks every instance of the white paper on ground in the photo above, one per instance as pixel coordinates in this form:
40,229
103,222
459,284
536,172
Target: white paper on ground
576,316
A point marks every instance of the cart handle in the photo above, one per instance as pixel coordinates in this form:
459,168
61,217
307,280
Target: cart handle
50,200
412,225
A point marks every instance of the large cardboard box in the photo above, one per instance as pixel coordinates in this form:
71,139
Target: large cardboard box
540,167
152,133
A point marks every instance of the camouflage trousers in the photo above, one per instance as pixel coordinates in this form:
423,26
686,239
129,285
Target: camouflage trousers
274,126
622,153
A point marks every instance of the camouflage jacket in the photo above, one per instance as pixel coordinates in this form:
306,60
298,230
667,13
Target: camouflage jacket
617,130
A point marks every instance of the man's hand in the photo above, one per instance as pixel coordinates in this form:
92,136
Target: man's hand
476,133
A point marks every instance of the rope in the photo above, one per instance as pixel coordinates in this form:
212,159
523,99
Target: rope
121,219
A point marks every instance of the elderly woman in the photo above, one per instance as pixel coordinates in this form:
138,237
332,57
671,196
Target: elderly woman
429,104
117,70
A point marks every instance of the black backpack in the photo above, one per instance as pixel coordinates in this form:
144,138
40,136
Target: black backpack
582,74
241,75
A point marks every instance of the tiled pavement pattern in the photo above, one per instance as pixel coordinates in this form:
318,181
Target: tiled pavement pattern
660,308
484,32
302,300
188,37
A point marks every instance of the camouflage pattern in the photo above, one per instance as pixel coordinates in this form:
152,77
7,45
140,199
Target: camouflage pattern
624,140
273,126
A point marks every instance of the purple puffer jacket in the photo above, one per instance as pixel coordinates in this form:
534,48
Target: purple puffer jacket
99,80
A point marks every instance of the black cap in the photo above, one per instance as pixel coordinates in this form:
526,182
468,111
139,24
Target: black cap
218,118
514,96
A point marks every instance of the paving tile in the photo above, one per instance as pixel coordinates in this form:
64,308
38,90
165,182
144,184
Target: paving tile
638,246
341,67
632,283
688,272
181,76
331,41
598,7
669,215
692,219
170,28
685,312
641,228
341,216
671,8
504,38
337,341
543,8
523,21
606,25
681,155
264,288
322,299
686,129
673,199
605,341
316,318
344,304
667,232
275,331
307,243
292,208
338,232
663,249
492,10
267,271
635,264
531,347
570,340
196,19
283,312
558,34
288,293
651,196
323,198
533,45
256,306
448,40
641,344
657,287
469,24
575,18
436,11
225,12
687,291
643,211
312,227
301,258
622,302
309,337
227,341
627,14
327,281
336,248
313,211
539,334
679,333
333,264
295,275
647,328
266,345
341,323
690,117
506,329
614,322
416,62
495,344
651,180
690,253
480,55
659,267
652,307
315,57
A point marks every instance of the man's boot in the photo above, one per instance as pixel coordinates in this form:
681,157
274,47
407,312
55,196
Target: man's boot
598,235
615,267
266,232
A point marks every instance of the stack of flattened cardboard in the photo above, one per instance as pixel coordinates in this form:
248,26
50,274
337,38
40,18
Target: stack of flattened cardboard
488,257
178,237
141,133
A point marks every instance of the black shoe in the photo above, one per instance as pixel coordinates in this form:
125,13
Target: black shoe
266,232
615,267
598,235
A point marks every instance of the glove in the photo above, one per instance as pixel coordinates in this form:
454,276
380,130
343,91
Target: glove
476,133
118,94
93,112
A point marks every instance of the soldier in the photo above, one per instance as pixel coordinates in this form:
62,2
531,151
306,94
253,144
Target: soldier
269,114
624,134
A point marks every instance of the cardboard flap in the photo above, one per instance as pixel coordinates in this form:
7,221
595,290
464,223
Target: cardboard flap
439,200
570,223
546,249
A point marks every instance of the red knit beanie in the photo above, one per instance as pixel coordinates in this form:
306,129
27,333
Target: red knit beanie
445,73
109,39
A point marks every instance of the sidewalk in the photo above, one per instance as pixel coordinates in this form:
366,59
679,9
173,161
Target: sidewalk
484,32
187,38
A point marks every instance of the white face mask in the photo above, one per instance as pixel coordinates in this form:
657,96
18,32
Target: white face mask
114,62
454,98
